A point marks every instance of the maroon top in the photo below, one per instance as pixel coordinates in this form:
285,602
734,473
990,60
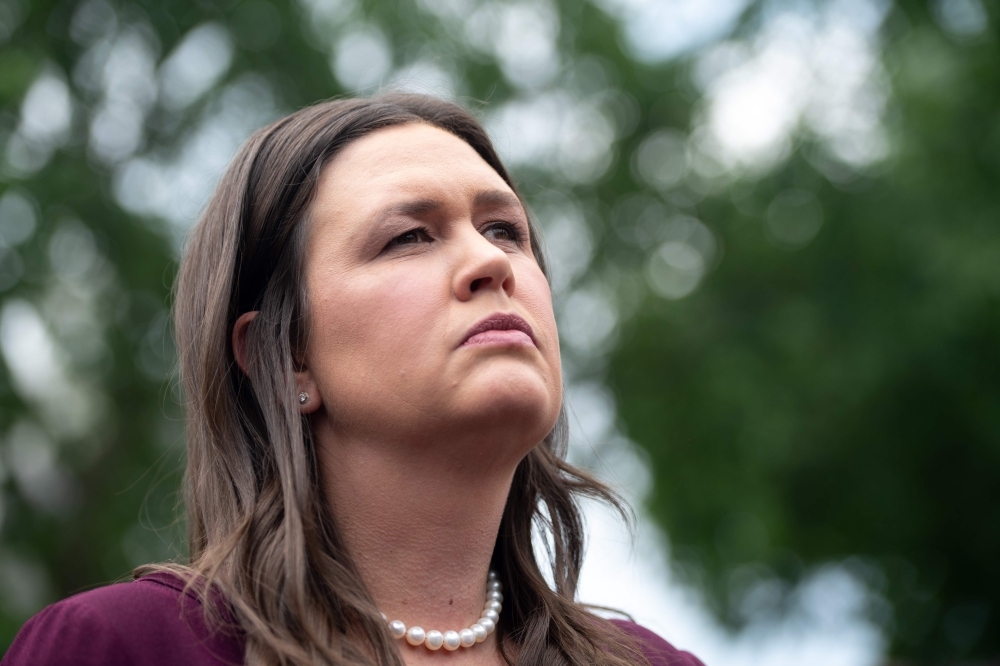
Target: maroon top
148,623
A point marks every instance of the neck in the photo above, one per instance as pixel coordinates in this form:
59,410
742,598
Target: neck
420,531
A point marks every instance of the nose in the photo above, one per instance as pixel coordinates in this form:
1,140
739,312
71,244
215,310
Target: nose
483,267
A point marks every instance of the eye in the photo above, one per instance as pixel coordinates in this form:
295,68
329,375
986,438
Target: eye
504,232
411,237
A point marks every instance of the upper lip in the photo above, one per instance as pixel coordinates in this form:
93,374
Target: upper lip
501,321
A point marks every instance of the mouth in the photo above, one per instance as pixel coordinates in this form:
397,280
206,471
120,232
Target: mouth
502,328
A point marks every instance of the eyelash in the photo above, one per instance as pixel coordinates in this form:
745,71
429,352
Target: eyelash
424,234
420,231
511,229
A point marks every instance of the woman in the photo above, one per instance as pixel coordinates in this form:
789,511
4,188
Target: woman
375,419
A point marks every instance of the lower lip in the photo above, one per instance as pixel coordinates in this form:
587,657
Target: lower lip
500,338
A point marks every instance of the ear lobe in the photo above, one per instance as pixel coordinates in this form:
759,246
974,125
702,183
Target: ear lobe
306,386
240,339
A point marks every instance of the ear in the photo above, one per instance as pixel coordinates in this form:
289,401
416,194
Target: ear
304,382
240,339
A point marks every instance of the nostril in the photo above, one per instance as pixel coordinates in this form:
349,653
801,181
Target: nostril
477,283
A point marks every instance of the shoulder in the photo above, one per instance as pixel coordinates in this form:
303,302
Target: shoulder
658,651
147,622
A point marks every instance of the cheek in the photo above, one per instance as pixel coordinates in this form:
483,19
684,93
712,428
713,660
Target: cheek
370,331
534,294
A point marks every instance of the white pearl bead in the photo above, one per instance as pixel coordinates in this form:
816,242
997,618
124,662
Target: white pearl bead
415,635
434,640
452,641
397,628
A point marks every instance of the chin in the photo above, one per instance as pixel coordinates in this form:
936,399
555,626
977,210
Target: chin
515,403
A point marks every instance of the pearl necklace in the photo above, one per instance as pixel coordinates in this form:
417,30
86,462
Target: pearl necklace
452,640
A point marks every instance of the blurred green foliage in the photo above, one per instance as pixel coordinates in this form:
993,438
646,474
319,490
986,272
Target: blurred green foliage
842,401
820,384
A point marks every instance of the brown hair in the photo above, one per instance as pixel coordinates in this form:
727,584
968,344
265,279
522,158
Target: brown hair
259,528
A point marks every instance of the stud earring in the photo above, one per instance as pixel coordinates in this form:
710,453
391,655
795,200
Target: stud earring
303,398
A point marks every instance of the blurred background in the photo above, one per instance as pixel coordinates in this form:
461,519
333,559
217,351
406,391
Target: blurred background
774,228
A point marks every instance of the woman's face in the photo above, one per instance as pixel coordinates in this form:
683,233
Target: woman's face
430,320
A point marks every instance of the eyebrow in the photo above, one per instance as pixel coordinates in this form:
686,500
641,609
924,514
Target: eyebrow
496,199
422,207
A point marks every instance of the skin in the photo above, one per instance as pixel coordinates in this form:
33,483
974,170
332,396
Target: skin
413,240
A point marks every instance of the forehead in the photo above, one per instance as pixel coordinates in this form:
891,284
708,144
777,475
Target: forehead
404,161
